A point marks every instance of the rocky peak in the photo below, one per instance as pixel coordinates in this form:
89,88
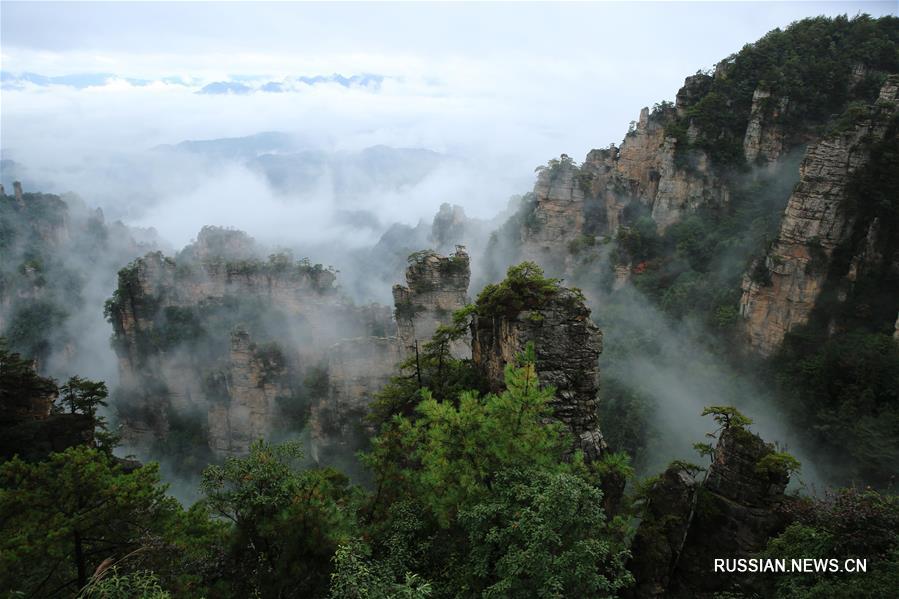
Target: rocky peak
567,344
217,335
695,87
436,286
558,214
448,227
686,522
220,244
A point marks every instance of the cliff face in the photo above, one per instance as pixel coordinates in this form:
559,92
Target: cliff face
687,523
436,286
568,345
250,347
31,425
357,370
737,510
57,259
652,172
764,138
558,215
783,288
228,338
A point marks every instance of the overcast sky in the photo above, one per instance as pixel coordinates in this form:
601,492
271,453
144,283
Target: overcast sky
512,84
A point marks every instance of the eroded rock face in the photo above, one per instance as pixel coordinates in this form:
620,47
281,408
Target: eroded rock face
687,523
662,532
558,217
252,384
574,202
764,139
224,337
568,345
357,370
738,509
780,291
436,286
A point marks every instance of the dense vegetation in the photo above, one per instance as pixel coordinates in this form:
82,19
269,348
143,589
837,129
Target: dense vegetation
781,63
470,493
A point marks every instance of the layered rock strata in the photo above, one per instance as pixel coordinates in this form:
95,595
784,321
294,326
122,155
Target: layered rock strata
436,286
567,344
781,290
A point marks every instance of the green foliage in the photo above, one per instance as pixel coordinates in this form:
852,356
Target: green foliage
688,467
81,396
848,523
453,448
846,388
524,288
433,367
475,495
778,464
581,244
356,576
706,450
549,526
20,385
60,518
639,241
34,327
780,64
264,495
727,416
111,584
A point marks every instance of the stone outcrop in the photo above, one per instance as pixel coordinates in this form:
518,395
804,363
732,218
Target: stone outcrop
357,370
738,509
662,532
436,286
227,338
567,344
648,170
233,340
30,427
687,523
253,385
695,87
764,139
781,290
558,215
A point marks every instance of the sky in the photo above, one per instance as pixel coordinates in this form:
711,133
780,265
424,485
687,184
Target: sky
505,85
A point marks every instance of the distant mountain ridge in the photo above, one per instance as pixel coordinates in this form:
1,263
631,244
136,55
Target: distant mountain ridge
233,85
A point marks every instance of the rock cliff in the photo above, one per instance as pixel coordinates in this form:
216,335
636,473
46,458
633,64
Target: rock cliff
31,425
228,337
436,286
764,138
687,523
357,370
567,344
248,347
781,290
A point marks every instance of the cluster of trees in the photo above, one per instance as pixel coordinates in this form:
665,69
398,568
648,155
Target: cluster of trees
843,48
472,496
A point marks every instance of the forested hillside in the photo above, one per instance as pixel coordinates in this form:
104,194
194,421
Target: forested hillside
685,347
